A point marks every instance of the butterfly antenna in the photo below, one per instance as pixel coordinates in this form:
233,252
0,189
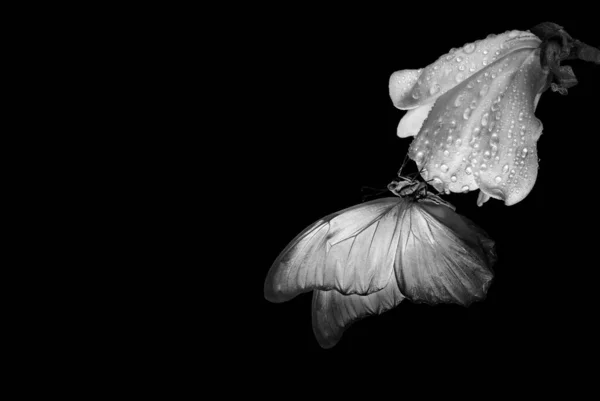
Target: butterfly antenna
371,192
403,164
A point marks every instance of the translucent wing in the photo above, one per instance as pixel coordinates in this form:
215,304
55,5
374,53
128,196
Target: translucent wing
443,257
351,251
334,312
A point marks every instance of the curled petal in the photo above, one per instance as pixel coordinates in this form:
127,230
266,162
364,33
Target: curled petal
482,133
412,88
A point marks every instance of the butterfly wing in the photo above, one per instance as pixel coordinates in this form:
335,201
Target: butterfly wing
334,312
351,251
443,257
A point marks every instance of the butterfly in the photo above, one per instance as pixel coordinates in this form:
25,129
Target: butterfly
366,259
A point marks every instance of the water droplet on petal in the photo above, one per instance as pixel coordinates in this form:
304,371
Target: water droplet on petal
415,95
473,104
459,59
419,156
521,116
469,170
468,48
483,166
458,142
465,188
444,168
459,77
485,51
498,179
486,155
476,131
446,153
459,100
461,67
435,88
484,90
484,119
467,113
453,178
505,169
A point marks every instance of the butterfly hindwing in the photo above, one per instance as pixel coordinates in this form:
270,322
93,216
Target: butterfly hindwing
334,312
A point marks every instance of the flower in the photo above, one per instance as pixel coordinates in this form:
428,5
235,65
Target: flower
472,112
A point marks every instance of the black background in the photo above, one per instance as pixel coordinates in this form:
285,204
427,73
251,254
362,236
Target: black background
323,126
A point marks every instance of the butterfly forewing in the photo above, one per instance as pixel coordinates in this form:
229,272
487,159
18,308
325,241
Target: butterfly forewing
351,251
436,265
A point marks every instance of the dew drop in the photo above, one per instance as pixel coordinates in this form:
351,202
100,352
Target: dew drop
486,155
435,88
485,51
468,48
521,116
459,59
476,131
484,119
459,100
483,166
498,179
467,113
513,34
453,178
446,153
419,156
458,142
469,170
492,125
484,90
444,168
472,67
465,188
484,62
459,77
473,104
461,67
415,95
